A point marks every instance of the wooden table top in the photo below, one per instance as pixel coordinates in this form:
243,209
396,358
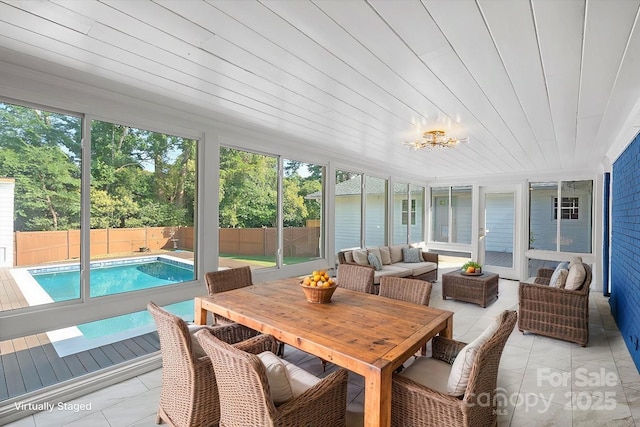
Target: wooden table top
355,330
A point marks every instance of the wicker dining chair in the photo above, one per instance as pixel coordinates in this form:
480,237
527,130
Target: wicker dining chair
246,397
404,289
227,280
356,277
189,395
417,405
410,290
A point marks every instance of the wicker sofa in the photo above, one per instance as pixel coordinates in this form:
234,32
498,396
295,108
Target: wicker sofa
555,312
395,265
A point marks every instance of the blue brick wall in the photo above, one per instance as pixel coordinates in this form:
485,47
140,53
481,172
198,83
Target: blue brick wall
625,246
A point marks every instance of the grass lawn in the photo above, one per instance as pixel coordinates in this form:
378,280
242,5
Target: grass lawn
265,260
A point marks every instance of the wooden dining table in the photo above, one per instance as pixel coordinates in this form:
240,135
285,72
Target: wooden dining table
366,334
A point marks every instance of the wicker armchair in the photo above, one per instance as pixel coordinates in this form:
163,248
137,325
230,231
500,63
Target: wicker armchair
189,396
555,312
416,405
246,398
355,277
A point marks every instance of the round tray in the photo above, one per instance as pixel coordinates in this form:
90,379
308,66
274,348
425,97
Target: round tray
472,274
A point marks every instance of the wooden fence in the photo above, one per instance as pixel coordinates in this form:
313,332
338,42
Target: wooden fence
39,247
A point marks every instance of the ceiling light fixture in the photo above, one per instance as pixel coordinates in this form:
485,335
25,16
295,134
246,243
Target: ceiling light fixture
434,139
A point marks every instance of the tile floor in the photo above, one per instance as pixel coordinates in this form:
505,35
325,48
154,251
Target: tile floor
544,382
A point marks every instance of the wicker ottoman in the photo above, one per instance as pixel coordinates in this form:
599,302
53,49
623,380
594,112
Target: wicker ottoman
476,289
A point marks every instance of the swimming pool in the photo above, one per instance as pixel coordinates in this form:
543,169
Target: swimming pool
62,283
112,277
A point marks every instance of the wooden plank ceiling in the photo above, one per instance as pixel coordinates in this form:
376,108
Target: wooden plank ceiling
537,86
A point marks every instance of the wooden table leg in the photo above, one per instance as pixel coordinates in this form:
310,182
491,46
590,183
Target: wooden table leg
200,314
447,332
377,397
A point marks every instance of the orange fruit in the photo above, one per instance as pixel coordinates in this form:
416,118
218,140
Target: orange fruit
471,270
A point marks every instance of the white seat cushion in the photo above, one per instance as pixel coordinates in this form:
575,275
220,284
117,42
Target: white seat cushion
417,268
429,372
299,379
390,270
286,380
196,348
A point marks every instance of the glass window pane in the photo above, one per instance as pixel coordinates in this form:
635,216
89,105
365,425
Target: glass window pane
40,154
575,216
302,211
499,223
461,214
542,225
375,212
248,209
416,230
143,192
348,198
440,214
401,213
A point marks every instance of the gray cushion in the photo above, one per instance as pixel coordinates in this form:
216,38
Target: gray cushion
417,268
375,261
396,253
390,270
410,255
360,256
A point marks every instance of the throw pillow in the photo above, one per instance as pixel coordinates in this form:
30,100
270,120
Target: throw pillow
196,348
576,277
461,367
277,377
376,252
560,279
575,260
412,255
553,282
348,256
385,255
375,261
360,257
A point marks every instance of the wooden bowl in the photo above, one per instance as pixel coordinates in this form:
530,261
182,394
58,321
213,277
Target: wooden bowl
319,295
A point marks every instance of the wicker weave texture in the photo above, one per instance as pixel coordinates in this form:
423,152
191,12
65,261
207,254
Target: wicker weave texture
355,277
430,276
246,399
410,290
416,405
475,289
555,312
189,395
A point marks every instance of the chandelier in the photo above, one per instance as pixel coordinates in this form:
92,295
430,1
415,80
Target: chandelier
434,139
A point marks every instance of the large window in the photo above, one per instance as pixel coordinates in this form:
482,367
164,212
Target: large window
560,216
302,212
375,211
451,214
249,210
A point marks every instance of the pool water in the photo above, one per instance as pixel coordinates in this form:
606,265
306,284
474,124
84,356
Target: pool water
113,279
107,278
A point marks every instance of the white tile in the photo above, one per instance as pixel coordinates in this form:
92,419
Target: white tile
141,406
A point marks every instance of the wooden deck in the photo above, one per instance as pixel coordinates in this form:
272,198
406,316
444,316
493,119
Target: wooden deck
31,363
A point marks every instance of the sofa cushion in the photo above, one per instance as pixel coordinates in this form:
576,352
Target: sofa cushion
299,379
396,253
375,261
376,252
411,255
417,268
559,278
385,255
576,276
348,256
390,270
360,256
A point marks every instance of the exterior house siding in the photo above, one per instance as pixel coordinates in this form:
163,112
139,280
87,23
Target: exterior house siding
625,247
499,223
